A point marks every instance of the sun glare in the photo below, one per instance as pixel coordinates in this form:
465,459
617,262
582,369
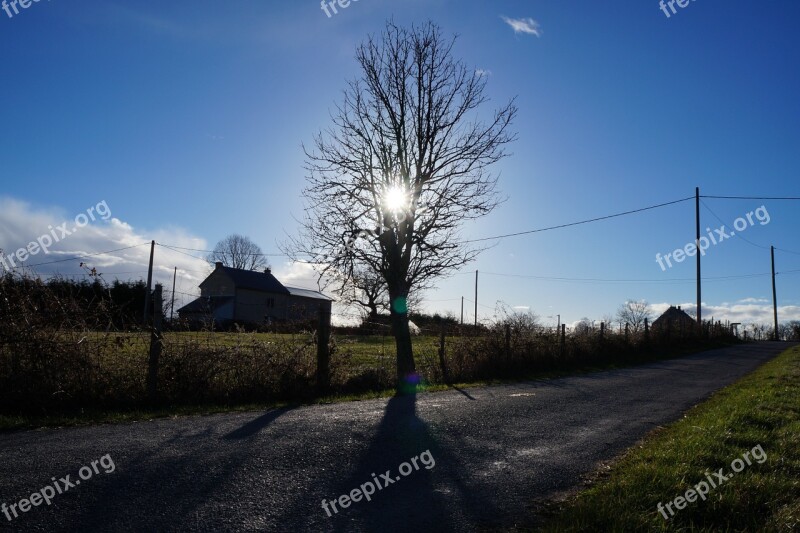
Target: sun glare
394,198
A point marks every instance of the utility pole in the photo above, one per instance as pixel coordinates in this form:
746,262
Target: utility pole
462,310
774,294
149,283
697,243
476,298
172,305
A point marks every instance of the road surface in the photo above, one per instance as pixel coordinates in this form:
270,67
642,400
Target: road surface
496,450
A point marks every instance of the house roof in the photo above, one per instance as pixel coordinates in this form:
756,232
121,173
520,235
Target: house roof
265,282
308,293
673,314
249,279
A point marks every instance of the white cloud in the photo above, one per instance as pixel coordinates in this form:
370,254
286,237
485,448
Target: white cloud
523,25
745,313
297,274
98,245
481,72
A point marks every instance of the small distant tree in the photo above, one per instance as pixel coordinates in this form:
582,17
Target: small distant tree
634,313
583,327
365,290
522,322
794,330
368,292
609,320
238,251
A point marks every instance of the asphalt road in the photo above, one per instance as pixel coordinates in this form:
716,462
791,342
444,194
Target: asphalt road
496,450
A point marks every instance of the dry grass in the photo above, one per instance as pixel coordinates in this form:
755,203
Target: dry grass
58,357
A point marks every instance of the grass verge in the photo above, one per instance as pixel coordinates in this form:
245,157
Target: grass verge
762,409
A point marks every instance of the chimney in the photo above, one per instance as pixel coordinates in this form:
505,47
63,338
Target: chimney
268,270
679,308
219,264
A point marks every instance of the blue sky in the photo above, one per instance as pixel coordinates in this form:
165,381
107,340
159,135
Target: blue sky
187,119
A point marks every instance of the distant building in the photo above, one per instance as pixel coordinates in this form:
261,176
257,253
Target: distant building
674,320
233,295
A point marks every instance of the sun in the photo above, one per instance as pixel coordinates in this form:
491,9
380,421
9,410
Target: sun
395,199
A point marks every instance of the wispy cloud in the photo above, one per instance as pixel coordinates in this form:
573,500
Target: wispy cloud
523,25
754,301
481,72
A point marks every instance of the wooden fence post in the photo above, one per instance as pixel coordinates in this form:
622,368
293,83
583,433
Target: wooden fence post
156,344
563,338
323,351
508,343
442,360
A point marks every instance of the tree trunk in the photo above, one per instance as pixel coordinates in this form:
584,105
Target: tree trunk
407,378
373,313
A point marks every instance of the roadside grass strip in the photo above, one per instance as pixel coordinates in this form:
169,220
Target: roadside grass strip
762,409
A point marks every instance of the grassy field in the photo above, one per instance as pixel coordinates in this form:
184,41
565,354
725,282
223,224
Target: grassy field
760,412
68,377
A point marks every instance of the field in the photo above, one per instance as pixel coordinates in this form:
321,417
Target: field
72,370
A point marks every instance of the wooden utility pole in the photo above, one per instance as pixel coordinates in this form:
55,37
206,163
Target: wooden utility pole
774,295
697,243
149,283
476,298
172,305
462,310
155,347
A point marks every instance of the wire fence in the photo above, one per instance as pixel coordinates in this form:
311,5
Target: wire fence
61,353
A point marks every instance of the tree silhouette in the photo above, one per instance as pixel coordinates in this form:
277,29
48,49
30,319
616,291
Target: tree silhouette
402,168
238,251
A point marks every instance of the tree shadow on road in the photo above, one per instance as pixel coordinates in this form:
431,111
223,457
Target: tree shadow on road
256,425
425,500
462,391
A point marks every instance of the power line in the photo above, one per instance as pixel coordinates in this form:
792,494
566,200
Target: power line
84,256
602,280
738,233
174,249
560,226
177,248
787,251
751,197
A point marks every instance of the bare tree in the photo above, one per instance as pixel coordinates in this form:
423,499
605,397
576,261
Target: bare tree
794,330
402,168
634,313
367,290
238,251
583,327
609,320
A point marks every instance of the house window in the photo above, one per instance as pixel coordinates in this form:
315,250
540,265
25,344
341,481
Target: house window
271,302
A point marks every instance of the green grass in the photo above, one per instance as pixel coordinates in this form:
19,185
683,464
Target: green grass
761,409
